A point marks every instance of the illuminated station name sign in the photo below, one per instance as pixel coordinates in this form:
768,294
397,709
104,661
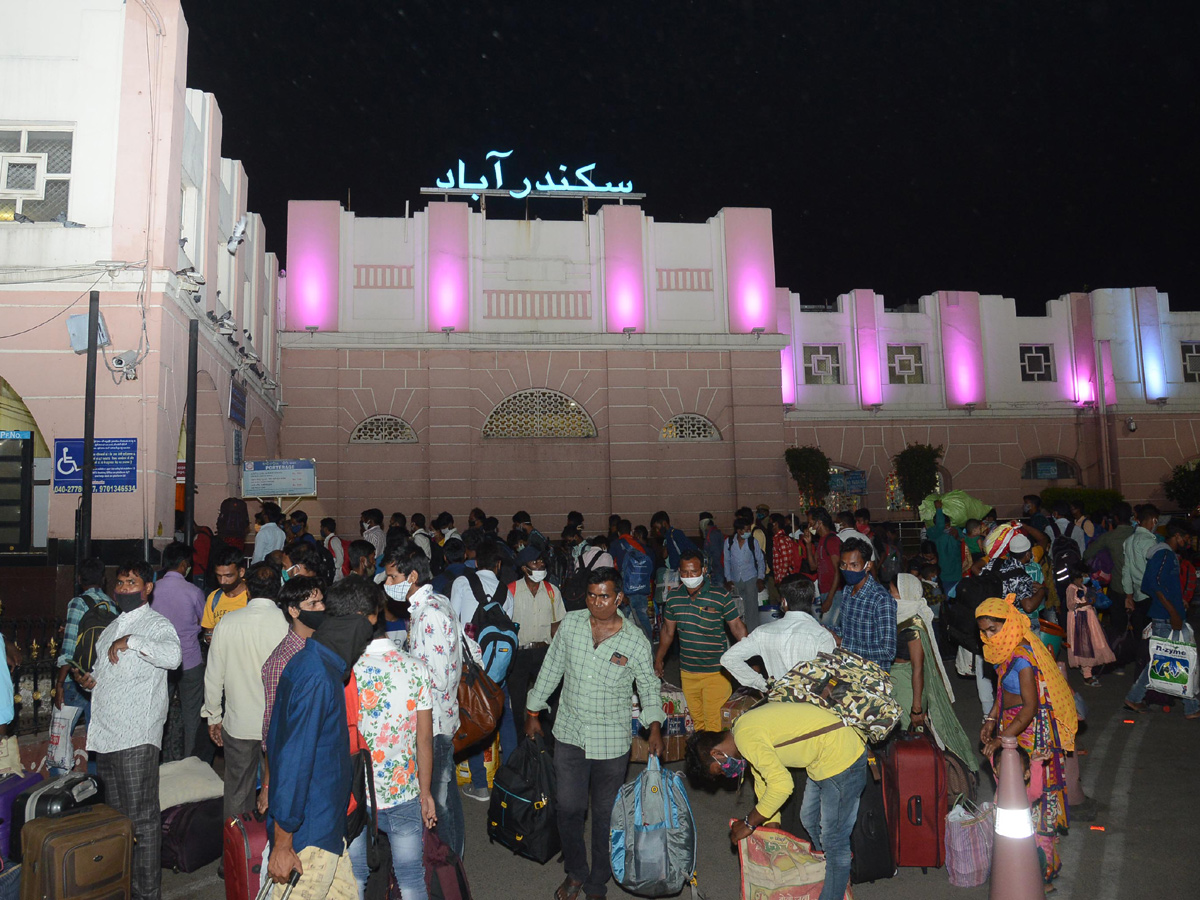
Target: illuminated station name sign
583,186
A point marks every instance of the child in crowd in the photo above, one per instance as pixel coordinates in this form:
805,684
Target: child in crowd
1087,647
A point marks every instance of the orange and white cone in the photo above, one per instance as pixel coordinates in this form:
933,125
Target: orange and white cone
1016,873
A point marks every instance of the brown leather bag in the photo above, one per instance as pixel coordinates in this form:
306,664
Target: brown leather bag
480,704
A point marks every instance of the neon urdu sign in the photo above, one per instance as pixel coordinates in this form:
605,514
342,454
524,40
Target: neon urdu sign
548,187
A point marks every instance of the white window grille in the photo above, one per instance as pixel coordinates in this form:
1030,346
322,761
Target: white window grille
822,364
905,364
538,413
35,174
1191,361
383,430
689,427
1037,362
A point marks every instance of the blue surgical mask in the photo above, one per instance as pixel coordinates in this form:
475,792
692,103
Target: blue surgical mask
732,767
296,529
852,578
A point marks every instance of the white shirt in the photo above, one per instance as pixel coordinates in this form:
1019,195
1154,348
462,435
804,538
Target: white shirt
129,704
337,547
435,638
269,539
463,601
241,643
536,613
782,644
844,534
377,539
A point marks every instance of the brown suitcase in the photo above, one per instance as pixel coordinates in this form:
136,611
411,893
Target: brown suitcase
87,855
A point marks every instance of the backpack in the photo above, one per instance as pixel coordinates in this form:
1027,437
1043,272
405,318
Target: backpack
653,833
1064,553
557,566
958,612
856,690
637,572
98,616
445,877
574,588
522,814
1102,568
437,558
492,629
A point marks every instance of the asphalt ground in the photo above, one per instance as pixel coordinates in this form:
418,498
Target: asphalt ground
1144,777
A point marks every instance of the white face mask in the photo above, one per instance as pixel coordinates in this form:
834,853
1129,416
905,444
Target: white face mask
692,583
537,575
446,531
796,534
397,592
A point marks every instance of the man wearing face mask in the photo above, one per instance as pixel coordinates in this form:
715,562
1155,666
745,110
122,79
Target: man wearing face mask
302,600
129,709
778,736
371,523
269,535
241,643
745,570
298,527
538,610
183,604
301,560
699,613
868,621
308,748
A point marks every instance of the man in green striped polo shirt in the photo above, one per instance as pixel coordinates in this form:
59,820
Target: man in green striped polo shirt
699,611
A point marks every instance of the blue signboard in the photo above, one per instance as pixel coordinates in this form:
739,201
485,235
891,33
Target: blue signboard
15,435
279,478
837,482
1047,469
115,469
237,402
856,483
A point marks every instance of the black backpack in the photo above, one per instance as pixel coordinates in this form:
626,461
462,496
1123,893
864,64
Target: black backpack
958,612
437,558
492,629
98,616
1064,553
522,814
574,588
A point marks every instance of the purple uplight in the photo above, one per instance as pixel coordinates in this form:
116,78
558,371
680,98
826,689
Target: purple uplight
962,348
787,366
870,380
1083,350
750,268
314,252
1084,393
624,279
787,356
448,249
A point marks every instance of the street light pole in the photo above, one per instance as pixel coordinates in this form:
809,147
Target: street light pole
89,429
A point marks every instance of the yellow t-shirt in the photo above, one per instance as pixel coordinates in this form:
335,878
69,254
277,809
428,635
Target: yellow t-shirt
227,603
758,731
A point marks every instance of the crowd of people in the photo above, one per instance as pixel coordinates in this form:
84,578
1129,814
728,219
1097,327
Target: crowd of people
295,652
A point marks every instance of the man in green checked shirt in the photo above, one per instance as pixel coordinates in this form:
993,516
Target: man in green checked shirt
597,654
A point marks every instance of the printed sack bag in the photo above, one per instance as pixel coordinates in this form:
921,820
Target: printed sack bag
856,690
1173,668
777,866
60,753
970,830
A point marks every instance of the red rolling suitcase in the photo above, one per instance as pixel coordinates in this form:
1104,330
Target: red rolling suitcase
914,788
244,856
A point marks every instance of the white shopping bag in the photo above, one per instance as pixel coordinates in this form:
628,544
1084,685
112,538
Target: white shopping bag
1173,667
60,754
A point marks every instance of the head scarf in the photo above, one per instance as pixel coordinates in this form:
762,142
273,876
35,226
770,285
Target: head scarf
999,649
912,603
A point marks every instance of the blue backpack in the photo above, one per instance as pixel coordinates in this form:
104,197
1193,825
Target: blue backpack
637,572
652,837
492,629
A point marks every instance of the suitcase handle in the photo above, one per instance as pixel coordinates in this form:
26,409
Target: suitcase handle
914,809
268,886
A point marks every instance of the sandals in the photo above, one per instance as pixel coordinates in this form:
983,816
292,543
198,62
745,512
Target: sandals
568,890
1137,707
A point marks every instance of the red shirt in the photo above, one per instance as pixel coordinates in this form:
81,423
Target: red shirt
829,549
785,556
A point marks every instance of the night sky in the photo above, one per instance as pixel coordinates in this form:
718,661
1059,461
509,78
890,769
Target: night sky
1027,149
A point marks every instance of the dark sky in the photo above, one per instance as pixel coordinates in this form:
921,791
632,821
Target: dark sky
1027,149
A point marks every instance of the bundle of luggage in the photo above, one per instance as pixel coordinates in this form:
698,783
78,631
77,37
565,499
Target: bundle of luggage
675,729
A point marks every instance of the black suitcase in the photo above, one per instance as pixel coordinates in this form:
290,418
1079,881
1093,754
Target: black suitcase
192,834
50,799
870,843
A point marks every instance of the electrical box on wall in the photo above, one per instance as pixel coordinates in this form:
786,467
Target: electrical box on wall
77,330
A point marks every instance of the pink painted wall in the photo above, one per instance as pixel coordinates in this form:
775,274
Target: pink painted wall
870,384
448,277
749,269
624,268
962,348
314,258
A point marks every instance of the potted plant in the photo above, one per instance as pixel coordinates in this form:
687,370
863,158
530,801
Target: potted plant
810,469
1183,487
917,470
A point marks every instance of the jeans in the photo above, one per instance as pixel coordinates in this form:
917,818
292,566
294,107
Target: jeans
1137,693
402,824
580,779
828,813
445,794
831,618
478,769
745,594
640,612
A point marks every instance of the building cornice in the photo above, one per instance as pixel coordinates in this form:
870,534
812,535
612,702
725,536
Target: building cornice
401,340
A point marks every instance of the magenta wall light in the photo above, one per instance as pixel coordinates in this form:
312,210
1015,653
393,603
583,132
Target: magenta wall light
962,349
787,356
314,259
447,254
866,328
624,273
749,269
1082,388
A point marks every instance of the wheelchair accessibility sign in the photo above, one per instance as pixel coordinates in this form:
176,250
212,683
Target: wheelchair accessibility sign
115,469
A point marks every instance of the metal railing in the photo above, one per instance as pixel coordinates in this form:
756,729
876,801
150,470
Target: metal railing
38,641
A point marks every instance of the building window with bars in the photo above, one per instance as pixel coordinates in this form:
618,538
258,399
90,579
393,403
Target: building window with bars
1037,362
1049,468
822,364
35,175
689,427
383,430
1191,361
538,413
905,364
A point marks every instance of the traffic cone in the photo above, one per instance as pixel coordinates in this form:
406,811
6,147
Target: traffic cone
1016,873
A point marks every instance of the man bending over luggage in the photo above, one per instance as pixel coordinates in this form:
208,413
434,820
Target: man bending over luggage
773,738
129,709
597,654
308,748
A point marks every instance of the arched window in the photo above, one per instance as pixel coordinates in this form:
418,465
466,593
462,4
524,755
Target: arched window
689,427
1049,468
383,430
538,413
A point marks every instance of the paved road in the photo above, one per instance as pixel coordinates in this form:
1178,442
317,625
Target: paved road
1144,775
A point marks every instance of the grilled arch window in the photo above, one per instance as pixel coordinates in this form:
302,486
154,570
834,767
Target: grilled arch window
538,413
383,430
689,427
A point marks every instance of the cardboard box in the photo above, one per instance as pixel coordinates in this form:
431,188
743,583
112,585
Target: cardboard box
739,702
674,747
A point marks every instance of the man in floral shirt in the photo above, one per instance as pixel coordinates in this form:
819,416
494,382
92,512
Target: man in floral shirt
395,695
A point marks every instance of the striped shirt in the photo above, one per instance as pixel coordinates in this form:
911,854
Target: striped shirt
700,626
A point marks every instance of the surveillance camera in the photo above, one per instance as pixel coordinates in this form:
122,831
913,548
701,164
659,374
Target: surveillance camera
252,356
1131,424
125,360
225,328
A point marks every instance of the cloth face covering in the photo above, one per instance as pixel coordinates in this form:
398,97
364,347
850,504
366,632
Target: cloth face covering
347,636
129,600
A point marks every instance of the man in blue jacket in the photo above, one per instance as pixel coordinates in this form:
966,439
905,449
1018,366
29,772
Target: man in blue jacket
308,748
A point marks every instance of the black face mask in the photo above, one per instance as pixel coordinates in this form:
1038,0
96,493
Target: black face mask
311,618
129,601
347,636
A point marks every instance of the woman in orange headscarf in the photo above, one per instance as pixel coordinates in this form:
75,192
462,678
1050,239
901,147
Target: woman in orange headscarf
1034,705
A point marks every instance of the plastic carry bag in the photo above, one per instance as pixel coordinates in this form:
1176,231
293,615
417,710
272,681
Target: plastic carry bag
60,753
777,865
1173,668
958,506
970,830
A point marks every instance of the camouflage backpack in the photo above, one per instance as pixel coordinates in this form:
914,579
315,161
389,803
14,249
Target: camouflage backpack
856,690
